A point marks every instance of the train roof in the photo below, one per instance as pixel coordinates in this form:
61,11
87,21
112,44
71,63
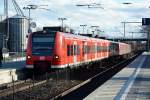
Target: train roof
73,36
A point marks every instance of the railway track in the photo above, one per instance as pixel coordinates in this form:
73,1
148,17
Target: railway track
54,85
82,90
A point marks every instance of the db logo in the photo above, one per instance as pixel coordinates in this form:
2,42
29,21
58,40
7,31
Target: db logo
42,58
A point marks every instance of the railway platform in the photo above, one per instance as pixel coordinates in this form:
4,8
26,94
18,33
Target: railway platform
131,83
11,71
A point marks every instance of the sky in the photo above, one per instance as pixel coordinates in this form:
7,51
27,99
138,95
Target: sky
108,19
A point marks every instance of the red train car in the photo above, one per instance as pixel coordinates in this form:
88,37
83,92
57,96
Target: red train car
50,49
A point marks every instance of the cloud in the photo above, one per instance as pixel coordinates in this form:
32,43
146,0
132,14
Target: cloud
111,16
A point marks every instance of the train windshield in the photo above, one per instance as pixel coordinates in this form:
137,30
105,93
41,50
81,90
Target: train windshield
42,44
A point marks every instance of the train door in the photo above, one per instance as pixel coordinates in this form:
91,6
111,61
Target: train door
75,52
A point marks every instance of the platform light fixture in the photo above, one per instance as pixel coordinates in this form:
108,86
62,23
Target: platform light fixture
62,22
83,27
33,7
91,5
126,3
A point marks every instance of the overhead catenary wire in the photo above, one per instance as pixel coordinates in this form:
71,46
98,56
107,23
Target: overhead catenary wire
17,8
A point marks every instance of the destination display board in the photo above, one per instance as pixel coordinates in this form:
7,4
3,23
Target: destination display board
145,21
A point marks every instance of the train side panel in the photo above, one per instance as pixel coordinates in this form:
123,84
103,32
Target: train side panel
59,52
70,50
29,61
124,48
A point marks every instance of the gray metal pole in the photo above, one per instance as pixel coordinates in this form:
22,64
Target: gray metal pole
132,35
124,26
62,22
7,21
148,41
29,20
62,25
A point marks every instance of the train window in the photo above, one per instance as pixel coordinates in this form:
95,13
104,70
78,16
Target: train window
88,49
74,51
71,51
43,39
114,48
92,49
78,50
111,47
99,49
104,49
95,49
68,50
83,51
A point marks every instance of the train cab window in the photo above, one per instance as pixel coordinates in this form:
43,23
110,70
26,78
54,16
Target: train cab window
43,44
43,39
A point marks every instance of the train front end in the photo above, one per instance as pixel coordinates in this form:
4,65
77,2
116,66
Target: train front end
40,48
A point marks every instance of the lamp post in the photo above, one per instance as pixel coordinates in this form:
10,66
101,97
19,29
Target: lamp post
91,5
96,28
32,7
124,26
29,7
62,22
124,30
83,27
126,3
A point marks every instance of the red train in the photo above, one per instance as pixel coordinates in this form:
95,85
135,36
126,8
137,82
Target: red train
50,49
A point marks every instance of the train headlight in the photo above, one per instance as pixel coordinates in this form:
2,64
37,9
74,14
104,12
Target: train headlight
44,32
28,57
56,57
